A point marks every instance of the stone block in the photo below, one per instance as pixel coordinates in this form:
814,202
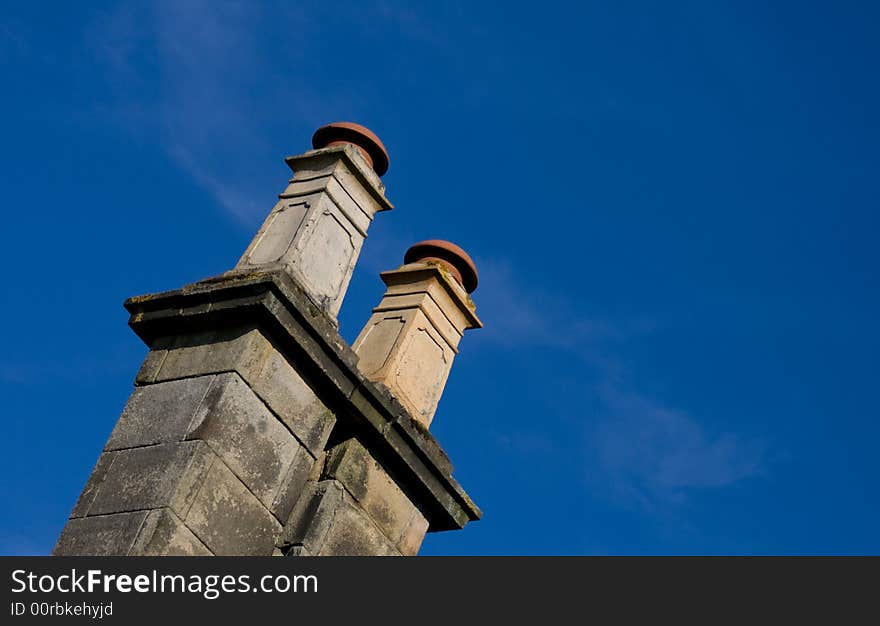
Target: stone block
410,341
203,353
423,365
163,534
352,533
378,339
266,370
293,400
168,474
413,535
292,487
328,522
153,361
93,485
377,494
160,413
102,535
229,519
279,231
312,516
253,443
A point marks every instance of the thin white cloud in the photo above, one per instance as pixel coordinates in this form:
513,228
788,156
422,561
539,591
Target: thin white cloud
637,450
531,316
656,454
215,89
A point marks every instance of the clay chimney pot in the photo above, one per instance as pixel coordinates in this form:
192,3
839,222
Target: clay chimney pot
362,138
456,260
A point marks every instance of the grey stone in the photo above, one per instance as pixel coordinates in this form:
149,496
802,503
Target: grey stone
153,361
352,533
312,516
329,523
246,378
376,493
103,535
292,487
93,485
163,534
317,228
291,398
208,352
159,413
257,447
247,352
229,519
167,474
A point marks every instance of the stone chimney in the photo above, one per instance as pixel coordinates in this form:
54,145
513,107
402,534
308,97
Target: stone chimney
409,342
317,228
253,429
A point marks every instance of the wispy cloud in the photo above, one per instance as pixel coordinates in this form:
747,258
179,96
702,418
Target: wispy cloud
220,83
656,454
534,316
210,107
638,450
215,90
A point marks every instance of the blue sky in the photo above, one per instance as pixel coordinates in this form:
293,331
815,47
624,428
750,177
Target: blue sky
673,207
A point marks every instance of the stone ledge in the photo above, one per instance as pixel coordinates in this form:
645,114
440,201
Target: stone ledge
308,337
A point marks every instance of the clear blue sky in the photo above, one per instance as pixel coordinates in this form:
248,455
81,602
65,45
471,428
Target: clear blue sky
673,206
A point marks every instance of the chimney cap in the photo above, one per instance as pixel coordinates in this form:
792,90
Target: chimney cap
365,140
454,258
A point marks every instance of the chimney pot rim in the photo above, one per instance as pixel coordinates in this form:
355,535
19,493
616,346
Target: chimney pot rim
448,252
360,136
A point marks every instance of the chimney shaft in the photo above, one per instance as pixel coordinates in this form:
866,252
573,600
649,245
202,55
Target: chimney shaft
412,337
317,228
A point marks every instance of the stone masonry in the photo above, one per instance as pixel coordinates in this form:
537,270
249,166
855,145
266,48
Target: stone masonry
254,429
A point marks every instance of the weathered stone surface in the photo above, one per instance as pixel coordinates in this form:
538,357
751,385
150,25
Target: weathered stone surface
266,371
275,302
411,339
291,488
160,413
93,485
102,535
376,493
208,352
294,401
167,474
411,539
253,443
329,523
163,534
378,339
317,228
229,519
312,516
353,534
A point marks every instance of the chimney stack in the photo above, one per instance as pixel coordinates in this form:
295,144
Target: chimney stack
253,429
317,228
412,337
